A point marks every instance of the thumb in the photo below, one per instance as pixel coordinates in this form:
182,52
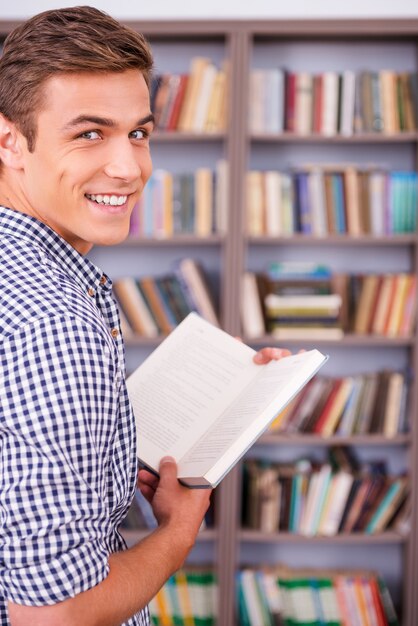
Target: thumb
168,469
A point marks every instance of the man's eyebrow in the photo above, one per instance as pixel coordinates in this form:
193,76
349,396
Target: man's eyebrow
103,121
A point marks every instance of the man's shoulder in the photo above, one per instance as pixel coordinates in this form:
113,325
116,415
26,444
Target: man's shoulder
33,287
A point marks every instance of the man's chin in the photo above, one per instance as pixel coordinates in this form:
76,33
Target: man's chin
113,238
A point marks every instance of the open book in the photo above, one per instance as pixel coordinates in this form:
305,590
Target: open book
200,399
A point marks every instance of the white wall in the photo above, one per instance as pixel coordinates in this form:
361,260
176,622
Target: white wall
239,9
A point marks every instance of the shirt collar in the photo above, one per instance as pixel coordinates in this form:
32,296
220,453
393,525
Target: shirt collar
21,226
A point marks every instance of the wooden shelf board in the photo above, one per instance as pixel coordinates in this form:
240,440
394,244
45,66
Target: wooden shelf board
349,340
134,535
288,137
340,240
143,342
335,440
256,536
177,136
177,240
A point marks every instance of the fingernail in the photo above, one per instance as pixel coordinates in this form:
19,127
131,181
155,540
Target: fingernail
167,459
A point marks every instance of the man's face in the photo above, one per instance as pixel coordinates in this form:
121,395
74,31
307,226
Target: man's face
91,159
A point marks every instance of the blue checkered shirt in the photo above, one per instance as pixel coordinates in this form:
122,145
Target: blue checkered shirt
67,434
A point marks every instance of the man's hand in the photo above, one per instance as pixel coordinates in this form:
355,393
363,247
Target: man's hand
265,355
172,503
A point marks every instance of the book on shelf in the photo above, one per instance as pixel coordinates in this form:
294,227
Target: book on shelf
188,597
198,67
385,304
300,597
200,398
322,499
191,203
329,103
371,403
152,295
331,199
193,101
135,308
151,306
252,310
266,103
192,280
309,307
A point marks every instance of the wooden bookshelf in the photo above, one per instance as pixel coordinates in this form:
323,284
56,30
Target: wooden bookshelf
239,43
313,47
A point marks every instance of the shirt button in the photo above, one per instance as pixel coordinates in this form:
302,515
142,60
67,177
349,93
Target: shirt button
114,332
91,292
103,280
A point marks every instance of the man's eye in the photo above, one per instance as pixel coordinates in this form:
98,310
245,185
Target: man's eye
90,134
139,134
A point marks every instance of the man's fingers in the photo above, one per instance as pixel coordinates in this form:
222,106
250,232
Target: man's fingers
269,354
146,478
147,491
168,469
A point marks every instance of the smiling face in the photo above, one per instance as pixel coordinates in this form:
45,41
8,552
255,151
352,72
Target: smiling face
91,158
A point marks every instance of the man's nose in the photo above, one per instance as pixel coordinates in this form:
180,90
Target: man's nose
122,162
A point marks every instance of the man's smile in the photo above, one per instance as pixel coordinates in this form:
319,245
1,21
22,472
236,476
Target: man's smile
108,199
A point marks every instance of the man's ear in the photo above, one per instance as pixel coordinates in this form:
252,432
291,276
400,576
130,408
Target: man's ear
11,143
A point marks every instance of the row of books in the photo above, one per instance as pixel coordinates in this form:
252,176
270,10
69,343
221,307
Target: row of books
188,203
321,200
281,596
189,597
290,597
304,307
372,403
152,306
303,312
386,304
311,499
192,102
331,102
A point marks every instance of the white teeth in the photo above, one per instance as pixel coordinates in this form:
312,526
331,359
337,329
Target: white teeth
112,200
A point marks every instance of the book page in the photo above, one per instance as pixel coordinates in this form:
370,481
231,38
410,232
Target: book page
277,383
186,383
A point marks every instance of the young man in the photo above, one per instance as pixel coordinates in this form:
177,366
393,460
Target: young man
75,122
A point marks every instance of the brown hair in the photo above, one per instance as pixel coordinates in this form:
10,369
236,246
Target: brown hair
73,40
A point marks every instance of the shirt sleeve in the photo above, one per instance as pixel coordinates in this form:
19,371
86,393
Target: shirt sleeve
58,406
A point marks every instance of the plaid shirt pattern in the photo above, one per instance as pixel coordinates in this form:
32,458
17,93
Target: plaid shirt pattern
67,433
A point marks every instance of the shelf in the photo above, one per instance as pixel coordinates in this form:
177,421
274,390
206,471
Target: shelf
335,440
133,536
177,240
143,342
340,240
287,137
177,136
298,45
349,340
256,536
